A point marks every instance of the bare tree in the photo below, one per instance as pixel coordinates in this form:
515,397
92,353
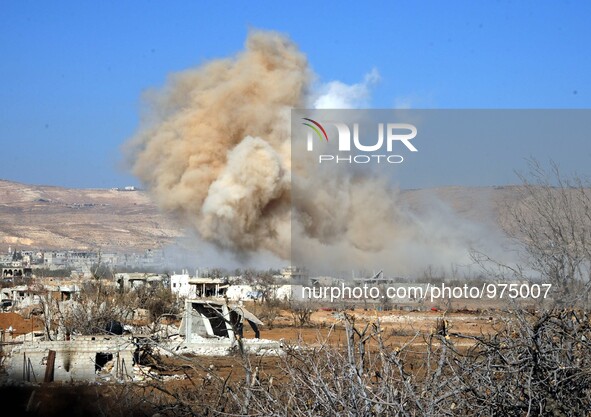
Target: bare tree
533,363
301,312
550,226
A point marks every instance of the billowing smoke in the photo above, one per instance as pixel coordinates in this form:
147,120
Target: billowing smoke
214,148
214,151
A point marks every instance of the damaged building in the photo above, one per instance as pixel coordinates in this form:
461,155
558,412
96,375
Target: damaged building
213,327
185,285
82,358
208,327
208,318
12,273
132,280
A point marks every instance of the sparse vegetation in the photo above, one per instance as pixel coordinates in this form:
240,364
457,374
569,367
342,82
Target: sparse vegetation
529,362
550,226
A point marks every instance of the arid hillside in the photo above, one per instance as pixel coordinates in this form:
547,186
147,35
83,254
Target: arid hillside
34,216
54,217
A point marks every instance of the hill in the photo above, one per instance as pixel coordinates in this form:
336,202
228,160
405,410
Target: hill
49,217
34,216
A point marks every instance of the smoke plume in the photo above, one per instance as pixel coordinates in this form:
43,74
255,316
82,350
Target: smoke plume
213,149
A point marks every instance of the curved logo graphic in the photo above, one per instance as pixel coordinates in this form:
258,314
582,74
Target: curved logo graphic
315,126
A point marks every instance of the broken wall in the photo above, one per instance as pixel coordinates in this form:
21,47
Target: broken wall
77,359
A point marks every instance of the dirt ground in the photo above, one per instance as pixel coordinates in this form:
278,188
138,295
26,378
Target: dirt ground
326,323
20,325
399,327
326,327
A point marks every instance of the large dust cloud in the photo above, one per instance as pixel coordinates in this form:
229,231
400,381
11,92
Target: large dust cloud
214,150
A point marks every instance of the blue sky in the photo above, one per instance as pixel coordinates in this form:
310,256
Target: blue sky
72,72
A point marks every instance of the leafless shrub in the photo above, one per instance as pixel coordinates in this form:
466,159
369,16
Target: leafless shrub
551,228
301,312
268,310
532,364
537,364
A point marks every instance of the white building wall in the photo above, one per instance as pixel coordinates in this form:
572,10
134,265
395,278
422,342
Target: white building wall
179,285
75,359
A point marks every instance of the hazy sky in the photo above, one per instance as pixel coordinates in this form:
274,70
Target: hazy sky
72,72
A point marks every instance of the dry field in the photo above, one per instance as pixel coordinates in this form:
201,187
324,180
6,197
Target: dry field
325,328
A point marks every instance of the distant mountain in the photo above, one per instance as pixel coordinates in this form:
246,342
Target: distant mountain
35,216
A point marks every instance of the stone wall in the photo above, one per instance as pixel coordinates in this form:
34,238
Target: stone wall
75,359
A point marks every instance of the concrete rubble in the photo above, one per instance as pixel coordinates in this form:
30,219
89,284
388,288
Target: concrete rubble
31,359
